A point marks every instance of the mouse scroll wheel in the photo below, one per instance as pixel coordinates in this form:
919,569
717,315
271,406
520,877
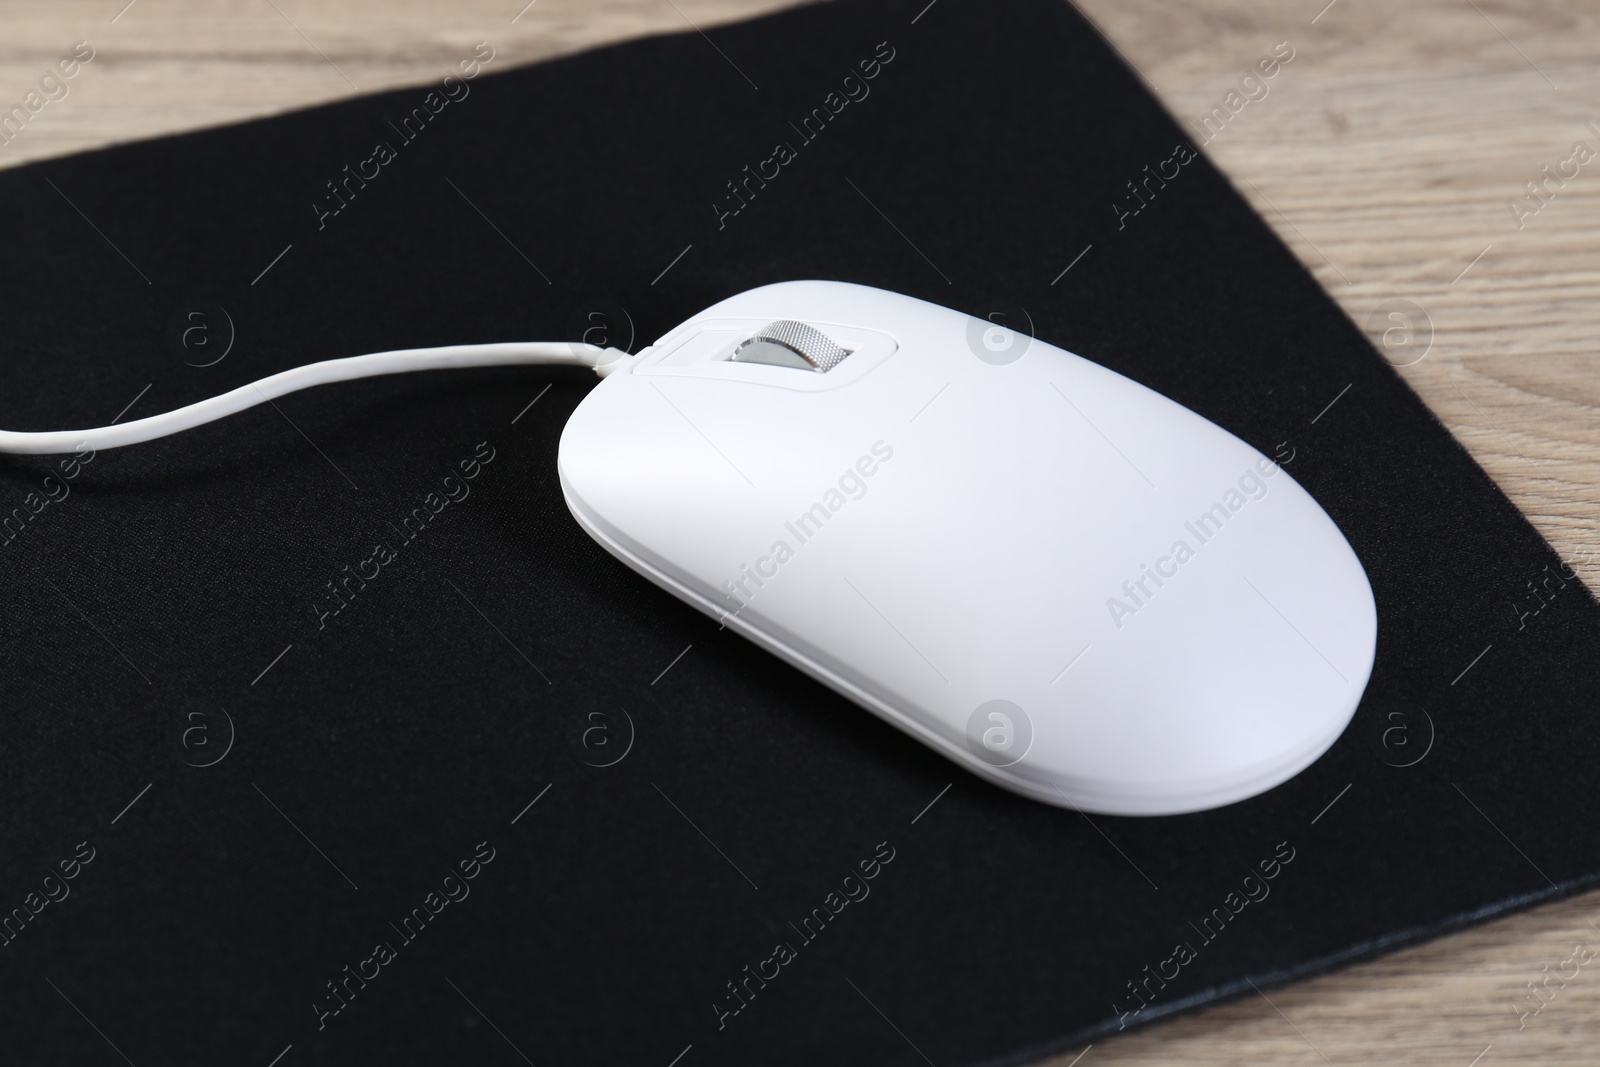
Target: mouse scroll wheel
787,343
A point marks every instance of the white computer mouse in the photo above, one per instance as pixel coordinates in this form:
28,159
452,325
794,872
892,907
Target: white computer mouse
1058,578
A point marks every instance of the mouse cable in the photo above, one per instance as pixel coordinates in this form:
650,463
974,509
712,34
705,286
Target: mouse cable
601,360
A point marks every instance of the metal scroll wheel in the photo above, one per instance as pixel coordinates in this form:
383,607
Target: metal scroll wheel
787,343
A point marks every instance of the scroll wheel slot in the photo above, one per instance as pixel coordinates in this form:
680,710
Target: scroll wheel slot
787,343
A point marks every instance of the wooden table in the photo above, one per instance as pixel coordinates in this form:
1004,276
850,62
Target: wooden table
1385,155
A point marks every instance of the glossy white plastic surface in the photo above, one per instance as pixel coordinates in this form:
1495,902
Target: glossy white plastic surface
986,553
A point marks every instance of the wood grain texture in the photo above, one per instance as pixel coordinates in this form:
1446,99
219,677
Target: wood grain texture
169,65
1385,154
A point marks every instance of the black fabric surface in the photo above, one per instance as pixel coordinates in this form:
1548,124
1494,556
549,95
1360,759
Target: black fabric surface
169,599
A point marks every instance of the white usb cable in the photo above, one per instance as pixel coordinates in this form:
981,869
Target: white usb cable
602,360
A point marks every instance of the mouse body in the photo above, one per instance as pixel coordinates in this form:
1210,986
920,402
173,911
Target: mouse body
1069,584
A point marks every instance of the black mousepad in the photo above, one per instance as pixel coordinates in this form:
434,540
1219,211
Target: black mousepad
331,737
